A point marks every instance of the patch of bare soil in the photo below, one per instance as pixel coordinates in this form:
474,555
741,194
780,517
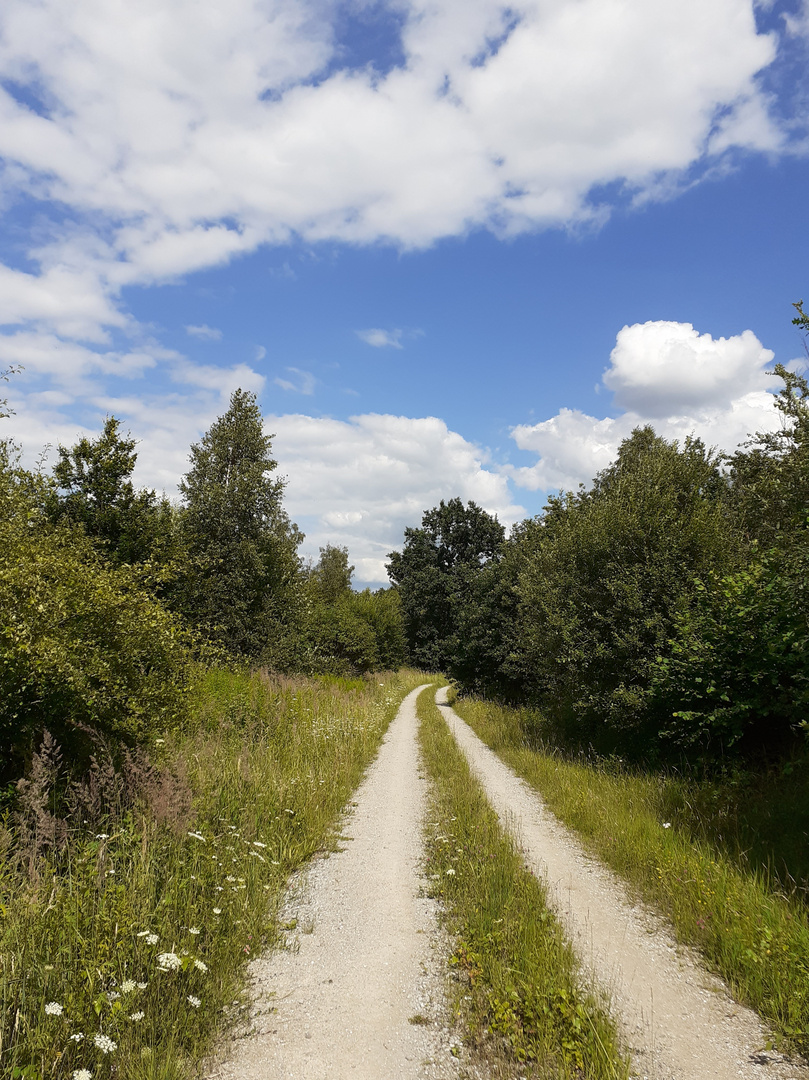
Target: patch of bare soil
679,1022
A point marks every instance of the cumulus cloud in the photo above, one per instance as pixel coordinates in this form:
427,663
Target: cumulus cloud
182,134
666,374
207,333
360,482
381,339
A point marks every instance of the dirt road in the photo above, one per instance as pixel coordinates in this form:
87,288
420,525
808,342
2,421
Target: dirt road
680,1022
369,954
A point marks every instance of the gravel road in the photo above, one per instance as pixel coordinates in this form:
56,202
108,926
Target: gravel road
368,954
680,1022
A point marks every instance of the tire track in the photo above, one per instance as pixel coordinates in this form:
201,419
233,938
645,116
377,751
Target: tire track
368,953
679,1021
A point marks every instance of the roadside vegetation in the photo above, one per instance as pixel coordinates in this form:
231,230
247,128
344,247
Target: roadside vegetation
702,851
131,902
520,992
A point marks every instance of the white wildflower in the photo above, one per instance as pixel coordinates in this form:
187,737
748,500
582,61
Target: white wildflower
53,1008
137,1016
112,995
230,877
102,836
142,986
194,1002
194,930
105,1044
82,1074
152,939
77,1038
217,911
450,872
127,986
666,824
198,836
258,843
169,961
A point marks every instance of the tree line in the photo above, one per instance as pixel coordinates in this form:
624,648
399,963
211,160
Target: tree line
660,613
109,595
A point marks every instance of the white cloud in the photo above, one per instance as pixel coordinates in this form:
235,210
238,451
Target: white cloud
302,382
381,339
360,482
208,333
666,374
182,134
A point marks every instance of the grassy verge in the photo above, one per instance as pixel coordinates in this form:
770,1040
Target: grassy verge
522,985
123,941
749,931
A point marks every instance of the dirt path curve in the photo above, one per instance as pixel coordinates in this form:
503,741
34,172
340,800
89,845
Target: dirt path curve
679,1021
338,1007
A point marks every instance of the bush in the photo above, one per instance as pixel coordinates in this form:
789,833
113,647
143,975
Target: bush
82,645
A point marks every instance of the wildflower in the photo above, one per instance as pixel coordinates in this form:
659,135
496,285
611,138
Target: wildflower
257,855
194,1002
450,872
110,872
82,1074
127,986
258,843
137,1016
217,911
112,995
666,824
194,930
201,966
102,836
53,1008
77,1038
169,961
230,877
105,1044
159,742
197,836
152,939
142,986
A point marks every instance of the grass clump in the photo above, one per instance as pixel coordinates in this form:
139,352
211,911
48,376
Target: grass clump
522,989
124,932
692,865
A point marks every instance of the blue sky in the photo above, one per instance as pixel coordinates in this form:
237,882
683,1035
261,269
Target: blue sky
456,248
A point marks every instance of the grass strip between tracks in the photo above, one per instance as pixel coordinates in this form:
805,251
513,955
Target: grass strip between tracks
752,934
521,992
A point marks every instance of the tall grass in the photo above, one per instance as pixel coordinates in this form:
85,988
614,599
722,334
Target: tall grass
649,828
122,949
524,993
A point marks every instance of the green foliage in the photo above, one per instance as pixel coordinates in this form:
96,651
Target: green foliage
738,670
770,475
94,489
605,572
81,642
382,612
433,572
242,585
330,578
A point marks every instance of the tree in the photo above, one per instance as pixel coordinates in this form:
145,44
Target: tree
82,644
433,573
94,489
243,581
606,572
331,576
